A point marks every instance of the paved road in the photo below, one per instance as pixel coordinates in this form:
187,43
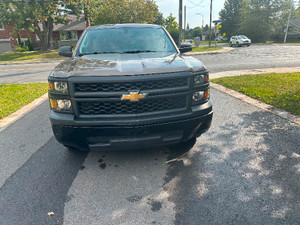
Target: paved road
245,170
253,57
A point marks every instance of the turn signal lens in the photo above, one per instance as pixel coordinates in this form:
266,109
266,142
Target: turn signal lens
53,104
207,78
51,86
206,94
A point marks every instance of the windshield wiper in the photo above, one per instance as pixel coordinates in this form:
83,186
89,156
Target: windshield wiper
95,53
135,51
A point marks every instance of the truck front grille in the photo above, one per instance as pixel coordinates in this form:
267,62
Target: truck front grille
134,85
127,107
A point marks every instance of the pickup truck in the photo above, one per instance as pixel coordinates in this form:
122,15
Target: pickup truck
127,86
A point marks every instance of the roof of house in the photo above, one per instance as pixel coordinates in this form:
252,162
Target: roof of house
73,25
294,26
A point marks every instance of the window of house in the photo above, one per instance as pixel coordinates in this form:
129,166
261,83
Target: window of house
68,35
1,26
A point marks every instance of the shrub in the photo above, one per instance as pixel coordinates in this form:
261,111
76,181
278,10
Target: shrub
29,43
21,44
22,49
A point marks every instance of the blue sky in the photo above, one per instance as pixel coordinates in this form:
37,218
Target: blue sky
193,7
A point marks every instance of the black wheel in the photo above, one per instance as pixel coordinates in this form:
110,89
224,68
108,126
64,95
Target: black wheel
238,44
248,45
230,44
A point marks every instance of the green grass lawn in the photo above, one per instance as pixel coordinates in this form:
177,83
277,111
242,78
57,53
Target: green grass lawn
14,96
34,55
279,90
205,49
213,42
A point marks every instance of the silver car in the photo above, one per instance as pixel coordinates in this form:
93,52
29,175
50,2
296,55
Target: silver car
239,41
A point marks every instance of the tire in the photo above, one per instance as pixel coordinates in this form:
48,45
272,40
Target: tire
248,45
230,44
238,44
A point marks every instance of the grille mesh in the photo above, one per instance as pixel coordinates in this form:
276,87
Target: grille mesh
125,86
127,107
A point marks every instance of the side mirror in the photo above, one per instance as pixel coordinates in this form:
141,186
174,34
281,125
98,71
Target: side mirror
65,51
185,48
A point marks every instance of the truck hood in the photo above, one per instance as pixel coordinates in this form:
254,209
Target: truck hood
126,64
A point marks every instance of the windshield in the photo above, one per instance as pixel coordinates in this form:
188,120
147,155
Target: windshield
243,37
125,40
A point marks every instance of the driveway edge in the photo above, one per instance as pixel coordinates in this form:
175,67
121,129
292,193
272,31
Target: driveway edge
279,112
6,121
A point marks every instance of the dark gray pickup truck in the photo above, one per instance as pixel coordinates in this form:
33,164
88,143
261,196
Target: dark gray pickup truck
127,86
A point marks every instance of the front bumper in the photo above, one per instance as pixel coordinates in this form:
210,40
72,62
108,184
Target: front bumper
130,134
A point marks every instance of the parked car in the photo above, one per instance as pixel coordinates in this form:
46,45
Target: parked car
221,38
239,41
128,86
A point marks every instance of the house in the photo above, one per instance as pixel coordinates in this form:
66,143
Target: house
9,39
294,29
63,34
68,34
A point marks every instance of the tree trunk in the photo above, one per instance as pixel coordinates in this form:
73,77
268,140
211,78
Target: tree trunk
45,34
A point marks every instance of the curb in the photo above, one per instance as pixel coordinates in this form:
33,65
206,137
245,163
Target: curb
279,112
254,71
224,50
6,121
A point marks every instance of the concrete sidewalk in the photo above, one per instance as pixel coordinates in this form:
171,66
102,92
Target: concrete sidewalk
254,71
223,50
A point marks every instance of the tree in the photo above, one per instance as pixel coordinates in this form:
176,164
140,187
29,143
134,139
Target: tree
260,18
38,16
170,22
160,20
230,16
197,31
124,11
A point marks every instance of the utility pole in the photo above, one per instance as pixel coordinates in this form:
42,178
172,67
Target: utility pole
288,23
210,22
184,17
180,22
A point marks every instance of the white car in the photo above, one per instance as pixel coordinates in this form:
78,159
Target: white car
239,40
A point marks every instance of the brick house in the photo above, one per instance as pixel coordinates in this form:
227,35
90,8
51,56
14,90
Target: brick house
68,34
9,40
63,34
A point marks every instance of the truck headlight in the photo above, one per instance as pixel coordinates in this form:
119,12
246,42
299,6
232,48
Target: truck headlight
200,79
199,96
62,105
58,86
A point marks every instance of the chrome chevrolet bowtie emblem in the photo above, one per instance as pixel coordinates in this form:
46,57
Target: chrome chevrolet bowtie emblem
134,96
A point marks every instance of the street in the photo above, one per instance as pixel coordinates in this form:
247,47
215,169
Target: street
253,57
244,170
